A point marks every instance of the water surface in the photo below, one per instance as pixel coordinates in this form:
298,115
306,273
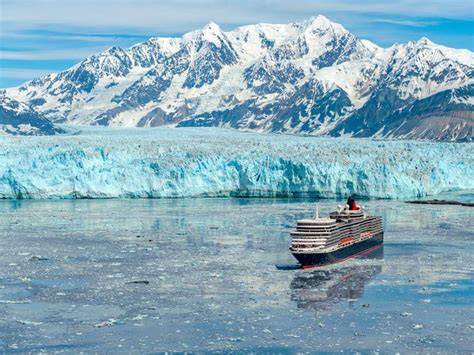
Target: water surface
200,275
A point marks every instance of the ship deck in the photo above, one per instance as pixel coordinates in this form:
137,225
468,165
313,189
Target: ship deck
342,229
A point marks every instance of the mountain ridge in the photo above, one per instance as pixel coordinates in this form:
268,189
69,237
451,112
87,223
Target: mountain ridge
312,77
17,118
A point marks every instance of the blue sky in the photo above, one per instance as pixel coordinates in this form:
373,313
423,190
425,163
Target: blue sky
43,36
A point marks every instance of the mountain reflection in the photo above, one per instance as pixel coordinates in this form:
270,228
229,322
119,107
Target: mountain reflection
319,289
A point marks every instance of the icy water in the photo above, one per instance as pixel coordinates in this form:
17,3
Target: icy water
199,275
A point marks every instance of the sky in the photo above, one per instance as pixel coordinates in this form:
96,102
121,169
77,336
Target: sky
42,36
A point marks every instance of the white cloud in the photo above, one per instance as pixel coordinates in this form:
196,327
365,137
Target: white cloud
58,54
23,73
41,30
180,15
408,23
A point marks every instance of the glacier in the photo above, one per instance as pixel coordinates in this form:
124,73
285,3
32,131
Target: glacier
96,162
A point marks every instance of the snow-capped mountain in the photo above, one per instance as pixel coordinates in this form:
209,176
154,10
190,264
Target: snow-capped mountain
17,118
312,77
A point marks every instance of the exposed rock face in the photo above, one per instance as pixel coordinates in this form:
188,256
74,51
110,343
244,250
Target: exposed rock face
17,118
312,77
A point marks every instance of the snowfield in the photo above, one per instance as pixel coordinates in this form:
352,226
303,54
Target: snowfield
188,162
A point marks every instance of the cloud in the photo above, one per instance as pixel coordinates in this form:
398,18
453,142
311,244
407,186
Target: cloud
23,74
58,54
407,23
180,16
56,33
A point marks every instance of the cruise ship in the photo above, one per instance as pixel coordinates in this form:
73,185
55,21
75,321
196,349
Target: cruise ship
344,234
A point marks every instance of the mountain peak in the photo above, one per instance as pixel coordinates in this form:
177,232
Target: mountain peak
320,20
424,41
211,32
322,23
311,77
211,26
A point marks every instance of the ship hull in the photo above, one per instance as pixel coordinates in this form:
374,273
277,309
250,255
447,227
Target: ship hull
351,251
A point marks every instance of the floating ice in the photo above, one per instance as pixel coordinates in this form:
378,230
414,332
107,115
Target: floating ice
110,163
219,289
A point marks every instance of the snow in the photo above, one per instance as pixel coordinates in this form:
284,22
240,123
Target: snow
210,33
371,46
247,40
414,70
349,76
430,62
166,162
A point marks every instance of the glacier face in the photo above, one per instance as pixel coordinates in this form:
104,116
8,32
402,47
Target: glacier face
186,162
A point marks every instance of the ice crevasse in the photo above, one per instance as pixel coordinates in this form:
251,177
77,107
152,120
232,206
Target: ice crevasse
167,162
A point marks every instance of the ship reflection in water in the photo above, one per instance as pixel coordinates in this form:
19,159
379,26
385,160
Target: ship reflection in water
320,289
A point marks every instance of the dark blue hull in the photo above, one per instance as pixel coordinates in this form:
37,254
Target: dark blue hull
351,251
